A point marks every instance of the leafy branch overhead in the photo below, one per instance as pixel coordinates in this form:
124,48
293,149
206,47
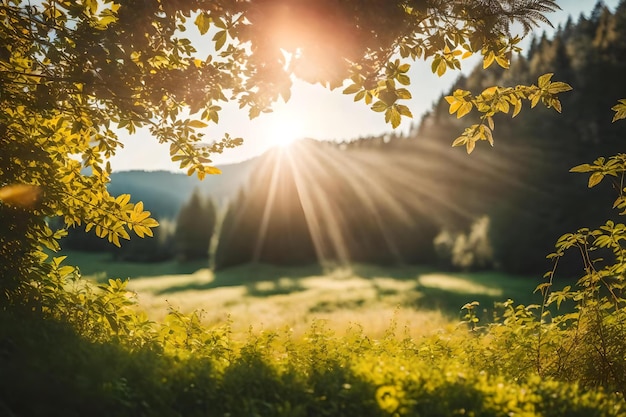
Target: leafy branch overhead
506,100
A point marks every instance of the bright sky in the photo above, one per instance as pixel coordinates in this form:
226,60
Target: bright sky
314,112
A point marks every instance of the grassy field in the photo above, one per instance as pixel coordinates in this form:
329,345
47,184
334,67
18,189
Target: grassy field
417,300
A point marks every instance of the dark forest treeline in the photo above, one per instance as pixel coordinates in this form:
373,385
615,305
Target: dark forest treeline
389,199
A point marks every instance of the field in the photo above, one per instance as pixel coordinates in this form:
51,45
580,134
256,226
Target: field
418,300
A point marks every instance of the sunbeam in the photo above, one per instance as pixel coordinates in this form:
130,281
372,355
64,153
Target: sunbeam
318,202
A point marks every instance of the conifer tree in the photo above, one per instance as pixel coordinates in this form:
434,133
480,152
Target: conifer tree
195,226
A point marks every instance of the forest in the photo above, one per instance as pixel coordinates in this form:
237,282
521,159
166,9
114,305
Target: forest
544,200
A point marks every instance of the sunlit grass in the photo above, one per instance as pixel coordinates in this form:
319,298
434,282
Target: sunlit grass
273,298
456,284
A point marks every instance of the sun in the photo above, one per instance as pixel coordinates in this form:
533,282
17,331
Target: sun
285,131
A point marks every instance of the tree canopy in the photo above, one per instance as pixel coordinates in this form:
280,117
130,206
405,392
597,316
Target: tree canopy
74,73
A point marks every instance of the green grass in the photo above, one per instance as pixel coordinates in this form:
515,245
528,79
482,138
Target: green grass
266,297
102,266
271,297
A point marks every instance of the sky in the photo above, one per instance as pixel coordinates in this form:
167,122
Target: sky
315,112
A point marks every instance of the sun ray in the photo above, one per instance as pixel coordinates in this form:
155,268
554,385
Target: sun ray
267,212
319,213
373,201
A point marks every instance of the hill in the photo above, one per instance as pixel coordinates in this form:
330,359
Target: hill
164,192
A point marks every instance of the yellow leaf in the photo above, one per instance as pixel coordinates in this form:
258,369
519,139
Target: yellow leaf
489,92
220,39
454,107
487,134
503,106
595,179
441,68
517,107
203,22
197,124
460,141
352,89
379,106
488,60
404,110
534,100
620,110
490,122
558,87
544,80
470,146
392,115
502,61
465,109
582,168
91,6
150,223
123,199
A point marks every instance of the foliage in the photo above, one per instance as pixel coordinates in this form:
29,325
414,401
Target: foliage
466,251
159,248
577,333
181,368
501,100
195,226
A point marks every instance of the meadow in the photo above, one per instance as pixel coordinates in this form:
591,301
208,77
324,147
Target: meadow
260,297
301,342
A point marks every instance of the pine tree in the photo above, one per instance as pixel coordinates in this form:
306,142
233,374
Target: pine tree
195,226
